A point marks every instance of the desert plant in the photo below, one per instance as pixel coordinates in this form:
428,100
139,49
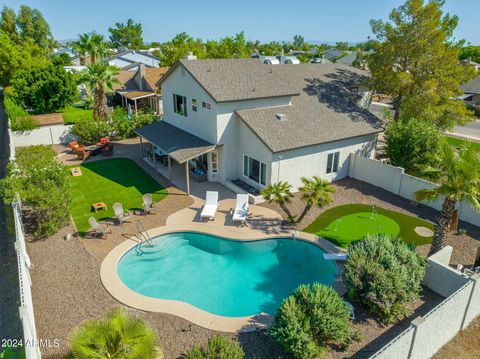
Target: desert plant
311,319
385,275
459,177
279,193
315,191
218,347
120,335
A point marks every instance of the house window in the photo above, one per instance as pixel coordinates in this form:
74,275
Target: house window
206,105
194,104
214,162
333,160
180,105
254,170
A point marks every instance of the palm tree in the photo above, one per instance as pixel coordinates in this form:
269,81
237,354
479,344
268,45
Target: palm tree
92,44
315,191
100,78
120,335
279,193
458,176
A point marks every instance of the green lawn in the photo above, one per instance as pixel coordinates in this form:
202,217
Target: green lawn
456,142
109,181
73,114
348,223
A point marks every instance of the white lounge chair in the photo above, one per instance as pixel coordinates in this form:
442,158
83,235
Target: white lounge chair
147,204
98,228
336,256
240,213
211,205
120,214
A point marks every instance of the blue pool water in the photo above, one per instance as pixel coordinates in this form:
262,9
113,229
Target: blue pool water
222,276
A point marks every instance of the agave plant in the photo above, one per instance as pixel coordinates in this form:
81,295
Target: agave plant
120,335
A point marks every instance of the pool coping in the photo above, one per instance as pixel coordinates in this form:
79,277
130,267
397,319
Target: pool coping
118,290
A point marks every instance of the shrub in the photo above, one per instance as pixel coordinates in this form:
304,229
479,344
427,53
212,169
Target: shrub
385,274
120,335
42,185
45,87
310,320
413,144
218,347
20,120
90,130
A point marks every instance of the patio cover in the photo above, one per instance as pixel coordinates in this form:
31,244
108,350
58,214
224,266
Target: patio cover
180,145
135,95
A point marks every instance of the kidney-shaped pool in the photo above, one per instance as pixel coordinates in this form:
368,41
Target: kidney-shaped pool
222,276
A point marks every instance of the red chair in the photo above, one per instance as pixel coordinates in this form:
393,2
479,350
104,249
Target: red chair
73,145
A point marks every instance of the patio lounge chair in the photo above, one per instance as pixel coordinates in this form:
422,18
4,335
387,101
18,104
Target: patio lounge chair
211,206
148,203
98,228
241,208
120,214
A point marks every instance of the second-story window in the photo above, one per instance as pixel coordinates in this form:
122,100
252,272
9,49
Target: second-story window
180,105
194,105
206,105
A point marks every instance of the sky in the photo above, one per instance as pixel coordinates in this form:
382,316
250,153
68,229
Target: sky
264,20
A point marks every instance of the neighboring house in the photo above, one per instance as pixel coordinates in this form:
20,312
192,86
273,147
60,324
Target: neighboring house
276,60
475,65
320,60
74,57
140,88
332,54
471,91
126,58
253,124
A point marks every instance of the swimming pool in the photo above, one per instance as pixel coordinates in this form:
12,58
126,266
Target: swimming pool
222,276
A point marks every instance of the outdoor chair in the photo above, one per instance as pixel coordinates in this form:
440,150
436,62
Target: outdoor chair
240,213
82,153
148,203
211,206
98,228
120,214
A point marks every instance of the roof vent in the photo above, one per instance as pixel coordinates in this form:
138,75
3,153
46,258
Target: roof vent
281,116
190,56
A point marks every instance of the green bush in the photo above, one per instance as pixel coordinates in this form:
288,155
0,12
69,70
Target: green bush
42,184
413,144
311,319
20,120
45,87
118,126
218,347
120,335
385,274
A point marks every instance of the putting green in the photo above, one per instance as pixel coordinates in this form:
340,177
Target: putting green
354,227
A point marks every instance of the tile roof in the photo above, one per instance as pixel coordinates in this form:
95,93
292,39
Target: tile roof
179,144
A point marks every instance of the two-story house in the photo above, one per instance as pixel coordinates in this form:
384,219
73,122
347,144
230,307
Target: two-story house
248,124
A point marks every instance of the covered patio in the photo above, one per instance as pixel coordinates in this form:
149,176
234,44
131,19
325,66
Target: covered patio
171,151
140,99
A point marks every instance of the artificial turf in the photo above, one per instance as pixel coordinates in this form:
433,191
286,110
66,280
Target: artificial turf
355,222
110,181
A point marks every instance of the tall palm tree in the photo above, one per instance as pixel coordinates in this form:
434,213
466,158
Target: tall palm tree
92,44
279,193
315,191
120,335
458,176
100,78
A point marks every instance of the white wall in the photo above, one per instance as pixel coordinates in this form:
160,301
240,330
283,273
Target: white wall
312,161
427,334
47,135
393,179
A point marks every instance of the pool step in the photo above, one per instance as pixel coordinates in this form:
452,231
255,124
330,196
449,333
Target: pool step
161,249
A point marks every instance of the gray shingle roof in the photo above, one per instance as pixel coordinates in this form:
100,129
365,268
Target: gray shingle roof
472,86
325,110
239,79
179,144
